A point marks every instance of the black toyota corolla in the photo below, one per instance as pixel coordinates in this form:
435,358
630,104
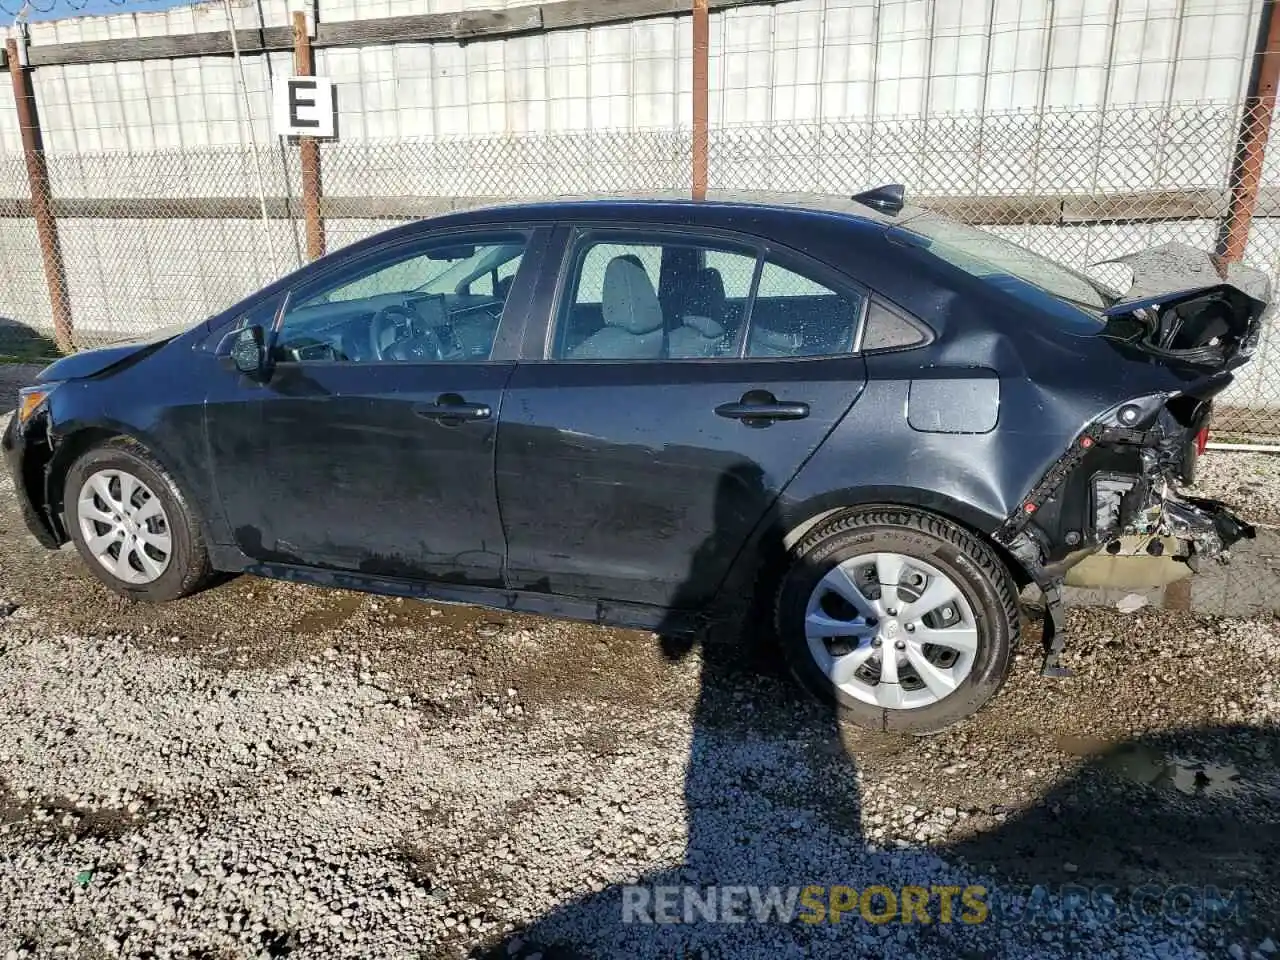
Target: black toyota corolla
866,419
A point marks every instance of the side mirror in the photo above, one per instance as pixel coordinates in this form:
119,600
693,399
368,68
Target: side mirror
248,352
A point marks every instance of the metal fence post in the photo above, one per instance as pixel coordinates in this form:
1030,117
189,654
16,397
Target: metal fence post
308,147
701,55
41,201
1255,130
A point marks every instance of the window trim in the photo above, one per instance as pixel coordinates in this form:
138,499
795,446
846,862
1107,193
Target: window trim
422,241
693,235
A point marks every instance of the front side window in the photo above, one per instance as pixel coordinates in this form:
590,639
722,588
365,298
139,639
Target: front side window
436,301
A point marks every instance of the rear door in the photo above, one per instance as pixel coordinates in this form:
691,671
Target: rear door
681,380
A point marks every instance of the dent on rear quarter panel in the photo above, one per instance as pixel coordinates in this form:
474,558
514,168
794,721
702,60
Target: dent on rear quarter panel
874,456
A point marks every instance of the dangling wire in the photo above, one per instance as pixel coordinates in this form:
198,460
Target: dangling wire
248,118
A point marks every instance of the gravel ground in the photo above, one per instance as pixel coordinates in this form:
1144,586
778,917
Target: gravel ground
1250,481
272,770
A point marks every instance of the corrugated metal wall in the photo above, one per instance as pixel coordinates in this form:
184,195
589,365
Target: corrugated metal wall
805,61
952,97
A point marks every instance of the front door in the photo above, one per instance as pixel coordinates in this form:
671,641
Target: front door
370,447
683,382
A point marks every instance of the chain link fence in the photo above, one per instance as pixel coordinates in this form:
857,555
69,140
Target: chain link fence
153,240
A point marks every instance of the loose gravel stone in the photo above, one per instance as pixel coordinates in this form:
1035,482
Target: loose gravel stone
265,770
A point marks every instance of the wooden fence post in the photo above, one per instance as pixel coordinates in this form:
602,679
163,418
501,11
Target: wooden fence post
41,200
308,147
701,71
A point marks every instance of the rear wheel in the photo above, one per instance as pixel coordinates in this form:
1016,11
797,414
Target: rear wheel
132,525
905,620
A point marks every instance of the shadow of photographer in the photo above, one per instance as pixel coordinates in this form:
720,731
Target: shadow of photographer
772,803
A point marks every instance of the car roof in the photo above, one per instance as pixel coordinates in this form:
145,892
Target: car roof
586,206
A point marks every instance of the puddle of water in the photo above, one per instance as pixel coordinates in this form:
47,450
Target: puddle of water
1162,771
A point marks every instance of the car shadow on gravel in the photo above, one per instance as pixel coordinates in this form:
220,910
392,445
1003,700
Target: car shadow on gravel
1150,841
772,800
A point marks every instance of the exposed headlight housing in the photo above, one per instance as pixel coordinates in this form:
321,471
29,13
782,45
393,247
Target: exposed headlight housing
31,399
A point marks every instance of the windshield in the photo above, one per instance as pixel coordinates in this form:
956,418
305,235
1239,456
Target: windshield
985,255
454,275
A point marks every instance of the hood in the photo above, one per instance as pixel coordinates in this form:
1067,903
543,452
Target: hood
89,363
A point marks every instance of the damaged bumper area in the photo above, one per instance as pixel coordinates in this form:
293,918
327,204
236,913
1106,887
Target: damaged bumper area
1208,527
1196,319
26,452
1121,478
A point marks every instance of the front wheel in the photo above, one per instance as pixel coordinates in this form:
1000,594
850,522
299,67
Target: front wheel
903,619
132,525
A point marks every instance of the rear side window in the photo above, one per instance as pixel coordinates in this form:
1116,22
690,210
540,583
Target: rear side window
794,316
654,299
662,296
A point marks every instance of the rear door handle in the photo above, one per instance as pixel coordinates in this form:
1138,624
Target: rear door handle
763,408
451,407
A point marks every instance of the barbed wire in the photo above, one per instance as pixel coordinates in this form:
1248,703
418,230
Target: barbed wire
14,8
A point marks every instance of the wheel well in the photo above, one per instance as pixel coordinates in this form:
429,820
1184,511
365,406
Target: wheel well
1016,570
64,455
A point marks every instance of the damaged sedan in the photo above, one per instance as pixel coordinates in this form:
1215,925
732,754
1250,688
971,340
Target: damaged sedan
858,421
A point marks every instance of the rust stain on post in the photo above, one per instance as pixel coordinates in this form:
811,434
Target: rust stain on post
308,147
1255,130
701,56
41,202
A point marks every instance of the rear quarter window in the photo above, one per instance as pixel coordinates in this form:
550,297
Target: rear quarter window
889,330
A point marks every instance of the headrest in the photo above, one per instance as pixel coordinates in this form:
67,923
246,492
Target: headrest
706,294
629,300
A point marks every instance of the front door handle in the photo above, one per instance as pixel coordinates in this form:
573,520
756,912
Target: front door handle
449,407
760,407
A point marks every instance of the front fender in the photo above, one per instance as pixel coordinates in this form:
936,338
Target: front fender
82,414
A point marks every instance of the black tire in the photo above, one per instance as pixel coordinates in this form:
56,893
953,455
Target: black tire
970,563
189,569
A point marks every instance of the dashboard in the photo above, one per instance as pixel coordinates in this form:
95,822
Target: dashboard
412,326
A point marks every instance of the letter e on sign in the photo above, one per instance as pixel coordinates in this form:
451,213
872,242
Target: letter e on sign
303,107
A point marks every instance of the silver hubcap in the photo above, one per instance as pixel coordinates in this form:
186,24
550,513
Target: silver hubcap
125,526
891,631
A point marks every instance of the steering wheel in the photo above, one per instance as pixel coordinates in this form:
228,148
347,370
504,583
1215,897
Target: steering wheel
392,336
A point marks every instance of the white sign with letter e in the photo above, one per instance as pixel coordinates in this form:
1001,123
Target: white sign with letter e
303,107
